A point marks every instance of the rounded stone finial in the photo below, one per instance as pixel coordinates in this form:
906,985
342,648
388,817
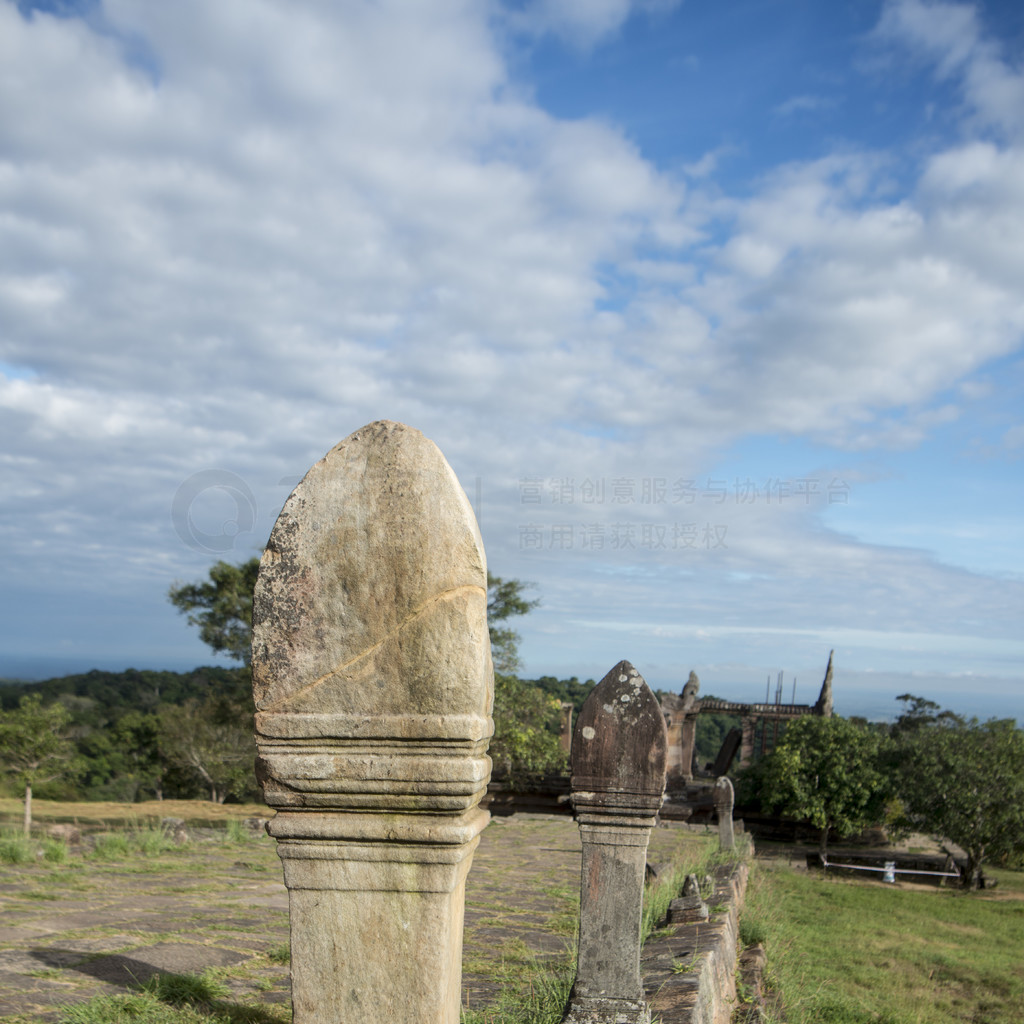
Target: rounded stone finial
619,744
372,591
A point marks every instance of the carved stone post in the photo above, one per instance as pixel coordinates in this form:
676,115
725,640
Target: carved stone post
687,741
373,686
618,783
724,798
565,726
688,730
671,709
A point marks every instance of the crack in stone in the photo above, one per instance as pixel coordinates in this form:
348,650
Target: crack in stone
416,613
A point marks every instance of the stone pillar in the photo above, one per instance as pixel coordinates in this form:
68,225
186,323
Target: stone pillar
747,724
724,798
618,783
565,726
687,739
373,686
671,711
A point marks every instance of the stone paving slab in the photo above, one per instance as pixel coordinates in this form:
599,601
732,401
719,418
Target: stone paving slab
202,907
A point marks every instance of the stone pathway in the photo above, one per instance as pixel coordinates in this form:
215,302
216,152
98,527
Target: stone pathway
88,928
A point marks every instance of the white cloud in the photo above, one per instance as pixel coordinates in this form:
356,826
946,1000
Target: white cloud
949,34
281,223
582,23
803,104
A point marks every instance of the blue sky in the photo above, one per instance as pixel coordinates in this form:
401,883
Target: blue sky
716,311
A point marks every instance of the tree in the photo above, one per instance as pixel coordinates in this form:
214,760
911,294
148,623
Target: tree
964,782
34,746
919,712
829,771
221,608
505,599
123,759
525,740
214,741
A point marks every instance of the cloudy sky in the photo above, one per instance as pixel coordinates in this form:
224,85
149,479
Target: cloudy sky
717,311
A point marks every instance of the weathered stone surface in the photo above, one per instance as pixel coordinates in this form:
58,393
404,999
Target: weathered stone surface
689,694
372,595
618,783
681,724
687,908
619,747
726,753
565,726
706,993
724,799
373,686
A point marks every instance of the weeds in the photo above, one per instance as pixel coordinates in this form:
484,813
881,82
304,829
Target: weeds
180,989
16,848
235,831
537,996
692,963
753,932
281,954
149,842
170,999
658,896
55,851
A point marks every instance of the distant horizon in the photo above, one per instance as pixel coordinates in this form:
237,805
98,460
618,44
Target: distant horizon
875,703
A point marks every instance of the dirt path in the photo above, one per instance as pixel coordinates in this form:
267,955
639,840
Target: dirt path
87,928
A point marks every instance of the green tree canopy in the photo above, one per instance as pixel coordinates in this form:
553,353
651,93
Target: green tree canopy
919,712
213,740
221,607
964,782
829,771
525,740
505,600
34,746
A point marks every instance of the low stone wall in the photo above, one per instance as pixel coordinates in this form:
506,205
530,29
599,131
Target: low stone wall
690,975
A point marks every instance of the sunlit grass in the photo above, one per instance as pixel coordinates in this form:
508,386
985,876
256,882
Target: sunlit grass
173,999
854,952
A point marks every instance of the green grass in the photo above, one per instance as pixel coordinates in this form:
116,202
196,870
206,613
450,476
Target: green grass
172,999
131,842
236,832
701,859
16,848
536,990
855,952
280,954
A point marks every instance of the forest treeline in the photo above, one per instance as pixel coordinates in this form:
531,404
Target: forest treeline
142,734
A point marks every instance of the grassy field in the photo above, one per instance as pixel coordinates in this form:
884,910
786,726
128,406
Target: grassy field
862,952
119,815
